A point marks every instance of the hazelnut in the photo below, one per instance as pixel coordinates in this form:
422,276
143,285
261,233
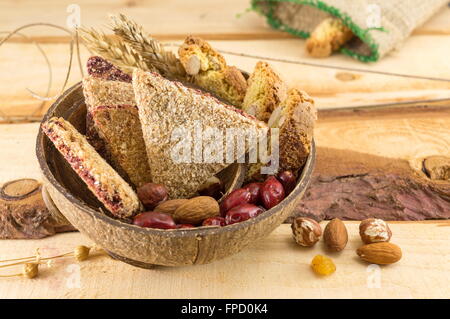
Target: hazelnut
374,231
335,235
306,231
151,195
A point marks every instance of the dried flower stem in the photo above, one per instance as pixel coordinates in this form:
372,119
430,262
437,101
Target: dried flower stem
149,48
29,270
80,253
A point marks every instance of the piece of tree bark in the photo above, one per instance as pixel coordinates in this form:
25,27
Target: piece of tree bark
355,186
23,213
437,167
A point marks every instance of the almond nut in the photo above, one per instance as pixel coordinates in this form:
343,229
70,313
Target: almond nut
374,231
306,231
170,206
196,209
380,253
335,235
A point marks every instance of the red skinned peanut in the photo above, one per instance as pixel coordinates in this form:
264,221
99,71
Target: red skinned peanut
154,220
272,192
255,191
288,180
185,226
242,212
214,221
235,198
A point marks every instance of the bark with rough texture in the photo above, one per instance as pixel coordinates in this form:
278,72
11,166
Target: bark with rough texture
355,186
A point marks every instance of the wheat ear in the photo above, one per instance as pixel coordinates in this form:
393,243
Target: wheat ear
117,52
149,48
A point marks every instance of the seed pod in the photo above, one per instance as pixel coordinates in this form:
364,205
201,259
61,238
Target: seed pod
30,270
81,253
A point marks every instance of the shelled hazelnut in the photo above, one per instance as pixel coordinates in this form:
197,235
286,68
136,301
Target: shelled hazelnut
374,231
152,194
306,231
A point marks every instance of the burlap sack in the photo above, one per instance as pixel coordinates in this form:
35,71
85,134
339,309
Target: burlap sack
379,25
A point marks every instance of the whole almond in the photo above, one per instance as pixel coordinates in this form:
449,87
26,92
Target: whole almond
374,231
335,235
380,253
306,231
196,209
170,206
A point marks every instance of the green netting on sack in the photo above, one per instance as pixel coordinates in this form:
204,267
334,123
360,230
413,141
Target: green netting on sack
379,25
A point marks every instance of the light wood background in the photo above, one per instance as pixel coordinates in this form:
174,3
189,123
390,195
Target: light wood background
274,267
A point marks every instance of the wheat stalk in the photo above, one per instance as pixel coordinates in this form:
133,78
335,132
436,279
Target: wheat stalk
117,52
149,48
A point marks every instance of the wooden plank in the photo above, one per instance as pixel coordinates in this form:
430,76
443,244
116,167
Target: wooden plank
169,19
410,135
390,133
26,68
274,267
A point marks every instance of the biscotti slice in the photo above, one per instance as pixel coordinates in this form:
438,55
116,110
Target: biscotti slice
265,91
116,130
197,55
168,108
329,36
104,182
210,71
120,128
295,119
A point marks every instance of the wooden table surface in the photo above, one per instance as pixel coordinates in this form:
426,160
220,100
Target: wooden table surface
274,267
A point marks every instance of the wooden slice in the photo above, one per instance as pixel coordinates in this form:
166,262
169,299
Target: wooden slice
24,214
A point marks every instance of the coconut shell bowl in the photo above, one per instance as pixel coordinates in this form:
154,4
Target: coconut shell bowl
145,247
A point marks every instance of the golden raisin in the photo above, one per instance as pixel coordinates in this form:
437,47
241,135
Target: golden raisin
323,265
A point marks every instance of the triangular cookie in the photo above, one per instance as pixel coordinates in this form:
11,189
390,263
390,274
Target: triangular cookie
172,117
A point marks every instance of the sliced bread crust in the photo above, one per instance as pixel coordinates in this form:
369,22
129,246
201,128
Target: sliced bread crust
101,179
